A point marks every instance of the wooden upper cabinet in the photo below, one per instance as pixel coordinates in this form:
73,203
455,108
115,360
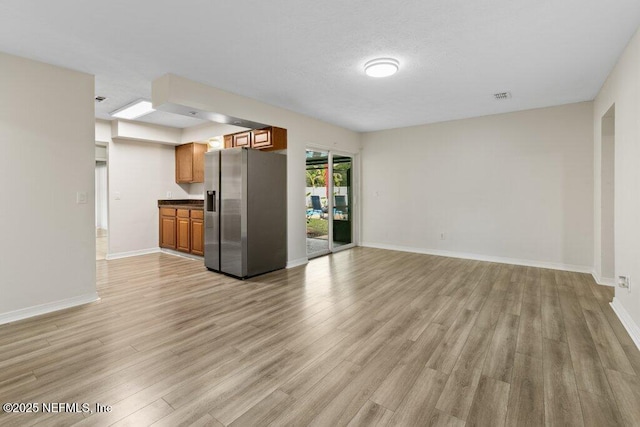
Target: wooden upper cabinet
267,139
270,139
262,138
190,162
228,141
242,139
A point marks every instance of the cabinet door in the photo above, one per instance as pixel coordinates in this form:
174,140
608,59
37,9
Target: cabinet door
198,162
261,138
277,139
242,139
184,163
197,236
182,235
228,141
168,232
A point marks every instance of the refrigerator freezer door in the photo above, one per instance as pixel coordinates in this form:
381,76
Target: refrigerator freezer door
212,210
233,208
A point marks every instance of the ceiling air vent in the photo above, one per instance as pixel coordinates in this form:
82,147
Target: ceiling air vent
100,98
502,95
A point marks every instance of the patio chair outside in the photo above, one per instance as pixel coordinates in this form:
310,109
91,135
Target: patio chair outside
341,204
316,206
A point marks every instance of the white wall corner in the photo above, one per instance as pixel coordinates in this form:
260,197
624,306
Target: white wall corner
119,255
297,262
632,328
103,131
38,310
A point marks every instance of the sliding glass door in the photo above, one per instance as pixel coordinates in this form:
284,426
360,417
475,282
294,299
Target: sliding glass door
329,202
342,201
317,191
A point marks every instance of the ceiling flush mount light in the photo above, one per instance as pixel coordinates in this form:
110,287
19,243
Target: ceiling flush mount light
134,110
216,143
381,67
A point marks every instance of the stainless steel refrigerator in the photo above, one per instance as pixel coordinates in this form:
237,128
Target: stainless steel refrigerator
245,194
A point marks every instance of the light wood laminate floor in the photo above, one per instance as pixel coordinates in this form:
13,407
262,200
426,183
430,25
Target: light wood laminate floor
361,337
101,244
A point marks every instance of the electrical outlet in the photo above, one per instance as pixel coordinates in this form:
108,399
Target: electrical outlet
81,197
169,195
624,282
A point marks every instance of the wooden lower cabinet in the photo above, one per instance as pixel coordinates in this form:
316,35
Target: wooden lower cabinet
197,232
182,230
168,232
197,237
183,242
167,228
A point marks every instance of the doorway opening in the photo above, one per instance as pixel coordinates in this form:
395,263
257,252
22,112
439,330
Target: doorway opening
329,202
102,222
607,194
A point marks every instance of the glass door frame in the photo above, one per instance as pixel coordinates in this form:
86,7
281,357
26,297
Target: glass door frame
353,207
354,211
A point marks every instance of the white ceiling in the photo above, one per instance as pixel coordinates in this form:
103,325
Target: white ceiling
307,56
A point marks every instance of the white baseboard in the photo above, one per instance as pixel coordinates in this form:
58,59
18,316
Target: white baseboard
297,262
606,281
37,310
628,323
487,258
182,254
119,255
290,264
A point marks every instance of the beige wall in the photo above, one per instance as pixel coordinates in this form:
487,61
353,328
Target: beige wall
140,173
203,132
516,187
622,89
47,151
145,132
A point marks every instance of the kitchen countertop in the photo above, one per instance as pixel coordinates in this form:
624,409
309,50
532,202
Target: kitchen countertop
181,204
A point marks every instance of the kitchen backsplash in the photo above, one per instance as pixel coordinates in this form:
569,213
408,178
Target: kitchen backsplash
196,190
